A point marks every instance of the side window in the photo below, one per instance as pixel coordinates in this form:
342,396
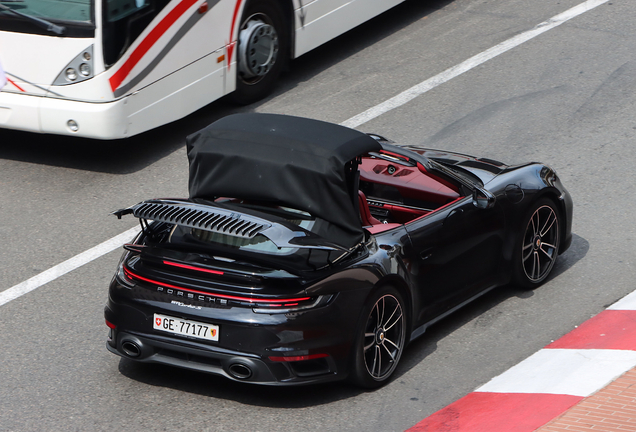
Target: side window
123,22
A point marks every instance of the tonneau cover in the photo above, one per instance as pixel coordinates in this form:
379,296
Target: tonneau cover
283,160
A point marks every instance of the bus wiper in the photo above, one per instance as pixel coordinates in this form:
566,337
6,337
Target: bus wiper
46,25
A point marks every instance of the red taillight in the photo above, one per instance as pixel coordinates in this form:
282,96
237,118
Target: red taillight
251,300
110,325
298,358
189,267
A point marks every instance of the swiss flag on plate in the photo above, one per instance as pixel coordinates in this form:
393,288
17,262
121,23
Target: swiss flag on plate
3,78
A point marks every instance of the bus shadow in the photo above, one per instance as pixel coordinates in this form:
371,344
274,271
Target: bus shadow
133,154
299,397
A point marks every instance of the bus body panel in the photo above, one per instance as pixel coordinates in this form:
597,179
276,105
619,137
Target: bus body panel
34,59
326,19
169,44
95,120
47,115
183,92
185,58
19,111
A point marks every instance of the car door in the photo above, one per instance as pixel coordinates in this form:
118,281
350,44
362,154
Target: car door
454,254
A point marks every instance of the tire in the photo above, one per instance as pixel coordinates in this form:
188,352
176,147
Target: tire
261,52
380,339
538,246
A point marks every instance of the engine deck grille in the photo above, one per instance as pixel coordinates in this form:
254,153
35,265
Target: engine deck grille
193,216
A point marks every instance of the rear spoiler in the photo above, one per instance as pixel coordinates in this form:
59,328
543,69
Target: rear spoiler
220,220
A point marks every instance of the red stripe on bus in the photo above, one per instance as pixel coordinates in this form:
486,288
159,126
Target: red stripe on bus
231,44
145,45
16,86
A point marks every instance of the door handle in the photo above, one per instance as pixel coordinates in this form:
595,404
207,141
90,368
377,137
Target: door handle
426,253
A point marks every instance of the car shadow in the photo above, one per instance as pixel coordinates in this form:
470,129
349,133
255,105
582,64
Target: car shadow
420,348
130,155
299,397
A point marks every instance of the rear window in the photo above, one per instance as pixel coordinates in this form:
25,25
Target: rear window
258,243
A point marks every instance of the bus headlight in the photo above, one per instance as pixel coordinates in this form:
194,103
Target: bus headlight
78,70
71,74
85,69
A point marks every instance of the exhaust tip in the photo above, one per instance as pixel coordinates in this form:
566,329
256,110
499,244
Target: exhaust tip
131,349
240,371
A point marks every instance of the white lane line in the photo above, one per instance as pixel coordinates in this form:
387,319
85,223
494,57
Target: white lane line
577,372
447,75
67,266
404,97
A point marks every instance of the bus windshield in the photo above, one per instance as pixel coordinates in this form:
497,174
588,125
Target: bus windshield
73,13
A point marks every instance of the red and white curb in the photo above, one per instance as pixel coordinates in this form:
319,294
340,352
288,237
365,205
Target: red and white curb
549,382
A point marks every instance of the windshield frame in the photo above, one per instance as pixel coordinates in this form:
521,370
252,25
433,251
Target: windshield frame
10,22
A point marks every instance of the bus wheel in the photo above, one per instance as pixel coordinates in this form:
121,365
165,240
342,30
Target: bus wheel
261,50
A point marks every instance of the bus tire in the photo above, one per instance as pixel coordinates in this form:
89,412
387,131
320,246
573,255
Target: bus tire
262,48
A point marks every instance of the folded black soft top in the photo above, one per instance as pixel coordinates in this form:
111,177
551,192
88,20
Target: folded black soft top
283,160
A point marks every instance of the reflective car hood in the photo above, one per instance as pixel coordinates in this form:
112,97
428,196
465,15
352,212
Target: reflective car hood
485,169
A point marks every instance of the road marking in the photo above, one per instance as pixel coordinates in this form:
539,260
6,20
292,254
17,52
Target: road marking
67,266
355,121
497,412
423,87
575,372
626,303
550,382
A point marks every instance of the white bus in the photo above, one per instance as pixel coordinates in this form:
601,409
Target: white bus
111,69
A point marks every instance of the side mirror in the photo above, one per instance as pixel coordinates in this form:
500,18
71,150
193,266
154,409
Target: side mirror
482,199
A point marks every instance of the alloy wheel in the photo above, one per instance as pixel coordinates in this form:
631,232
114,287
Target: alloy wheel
383,337
540,244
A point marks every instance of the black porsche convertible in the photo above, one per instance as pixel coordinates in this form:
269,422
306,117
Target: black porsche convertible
309,252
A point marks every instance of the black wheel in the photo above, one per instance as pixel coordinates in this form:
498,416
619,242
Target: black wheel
538,247
261,50
380,339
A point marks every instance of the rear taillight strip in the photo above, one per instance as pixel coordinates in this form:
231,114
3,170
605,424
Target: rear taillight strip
283,302
189,267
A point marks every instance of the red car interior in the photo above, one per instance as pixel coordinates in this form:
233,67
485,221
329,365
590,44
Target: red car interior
399,192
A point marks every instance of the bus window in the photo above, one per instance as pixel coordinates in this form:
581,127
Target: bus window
76,17
119,9
124,21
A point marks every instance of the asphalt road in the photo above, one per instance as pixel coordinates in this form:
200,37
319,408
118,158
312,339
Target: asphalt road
565,98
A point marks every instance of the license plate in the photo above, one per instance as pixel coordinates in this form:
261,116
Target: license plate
183,327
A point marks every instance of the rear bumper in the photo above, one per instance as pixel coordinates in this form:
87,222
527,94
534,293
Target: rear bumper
247,340
48,115
236,366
